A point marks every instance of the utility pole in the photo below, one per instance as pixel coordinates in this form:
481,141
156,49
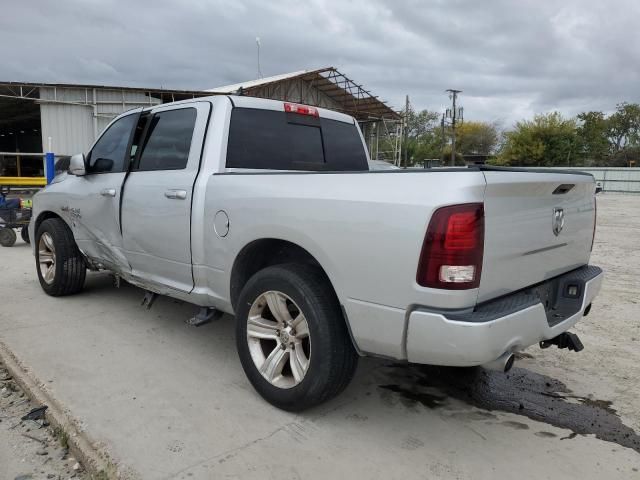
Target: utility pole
406,130
453,94
378,140
442,136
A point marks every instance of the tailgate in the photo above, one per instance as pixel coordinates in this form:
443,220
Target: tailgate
522,210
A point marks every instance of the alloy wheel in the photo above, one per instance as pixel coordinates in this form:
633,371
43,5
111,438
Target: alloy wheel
278,338
47,258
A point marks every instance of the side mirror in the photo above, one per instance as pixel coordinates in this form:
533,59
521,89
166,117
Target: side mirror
77,165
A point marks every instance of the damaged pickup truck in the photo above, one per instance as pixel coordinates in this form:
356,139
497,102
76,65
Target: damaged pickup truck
267,210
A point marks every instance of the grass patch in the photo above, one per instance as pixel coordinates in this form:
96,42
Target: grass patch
62,436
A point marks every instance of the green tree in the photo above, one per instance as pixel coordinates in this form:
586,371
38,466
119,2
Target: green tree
477,138
547,140
612,140
593,137
422,123
423,137
624,126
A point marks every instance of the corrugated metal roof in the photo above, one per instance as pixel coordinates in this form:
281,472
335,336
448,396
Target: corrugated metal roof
351,97
104,87
254,83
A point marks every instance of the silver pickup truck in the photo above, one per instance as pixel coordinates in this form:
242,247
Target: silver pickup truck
267,210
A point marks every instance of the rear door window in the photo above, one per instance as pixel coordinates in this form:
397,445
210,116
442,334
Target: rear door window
168,140
268,139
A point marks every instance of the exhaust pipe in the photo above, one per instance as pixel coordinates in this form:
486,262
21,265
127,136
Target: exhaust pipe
502,363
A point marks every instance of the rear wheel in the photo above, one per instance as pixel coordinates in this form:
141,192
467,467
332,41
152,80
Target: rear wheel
7,237
60,265
24,233
292,338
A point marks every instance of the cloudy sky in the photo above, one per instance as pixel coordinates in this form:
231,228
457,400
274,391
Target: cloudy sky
512,58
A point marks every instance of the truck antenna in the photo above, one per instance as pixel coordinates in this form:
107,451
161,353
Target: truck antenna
259,70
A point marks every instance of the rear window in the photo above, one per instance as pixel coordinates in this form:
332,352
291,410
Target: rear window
267,139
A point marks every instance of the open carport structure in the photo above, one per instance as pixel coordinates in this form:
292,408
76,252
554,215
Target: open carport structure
329,88
62,118
325,87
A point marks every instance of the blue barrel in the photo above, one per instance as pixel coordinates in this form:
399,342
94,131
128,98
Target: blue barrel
50,166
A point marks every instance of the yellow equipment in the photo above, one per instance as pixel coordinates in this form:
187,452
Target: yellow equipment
23,181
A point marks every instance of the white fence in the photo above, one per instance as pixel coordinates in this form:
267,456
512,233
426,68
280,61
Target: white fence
614,180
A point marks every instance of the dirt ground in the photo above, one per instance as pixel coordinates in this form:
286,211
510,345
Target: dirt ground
170,401
30,449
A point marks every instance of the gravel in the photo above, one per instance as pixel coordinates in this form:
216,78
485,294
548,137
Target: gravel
29,450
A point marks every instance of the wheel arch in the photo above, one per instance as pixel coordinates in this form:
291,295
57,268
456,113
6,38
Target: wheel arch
47,215
265,252
42,216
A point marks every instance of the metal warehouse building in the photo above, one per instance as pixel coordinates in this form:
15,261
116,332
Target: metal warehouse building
72,116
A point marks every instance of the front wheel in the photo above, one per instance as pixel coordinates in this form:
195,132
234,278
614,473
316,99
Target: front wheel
291,337
60,265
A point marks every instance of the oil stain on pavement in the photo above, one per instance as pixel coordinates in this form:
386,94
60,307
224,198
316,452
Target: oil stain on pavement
520,391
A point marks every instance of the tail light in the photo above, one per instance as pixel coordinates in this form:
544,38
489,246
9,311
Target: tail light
301,109
451,256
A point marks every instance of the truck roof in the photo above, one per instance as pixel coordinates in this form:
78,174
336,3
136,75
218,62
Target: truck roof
259,103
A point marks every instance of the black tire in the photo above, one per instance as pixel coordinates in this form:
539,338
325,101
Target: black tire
70,268
7,237
24,233
332,360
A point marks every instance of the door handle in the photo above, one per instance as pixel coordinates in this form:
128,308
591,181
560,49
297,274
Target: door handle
176,194
108,192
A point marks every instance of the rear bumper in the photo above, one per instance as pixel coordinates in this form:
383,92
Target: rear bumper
481,335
